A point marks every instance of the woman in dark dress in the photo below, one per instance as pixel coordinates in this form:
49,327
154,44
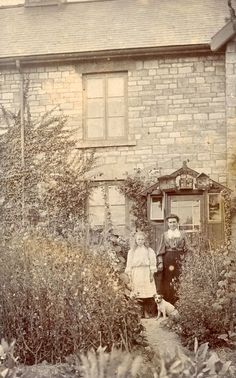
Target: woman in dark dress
172,248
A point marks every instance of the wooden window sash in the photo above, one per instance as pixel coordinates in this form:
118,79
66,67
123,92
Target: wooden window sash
105,97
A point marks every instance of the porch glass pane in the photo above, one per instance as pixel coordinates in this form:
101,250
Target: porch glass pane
188,212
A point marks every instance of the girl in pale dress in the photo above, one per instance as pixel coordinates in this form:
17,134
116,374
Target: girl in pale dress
140,267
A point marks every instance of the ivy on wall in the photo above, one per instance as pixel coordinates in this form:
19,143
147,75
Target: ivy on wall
133,187
227,215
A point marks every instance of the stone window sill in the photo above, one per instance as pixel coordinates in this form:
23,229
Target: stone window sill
102,143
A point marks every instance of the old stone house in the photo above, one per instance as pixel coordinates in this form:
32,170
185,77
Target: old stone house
148,83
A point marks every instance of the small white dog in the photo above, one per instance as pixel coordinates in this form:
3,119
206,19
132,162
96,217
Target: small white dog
165,308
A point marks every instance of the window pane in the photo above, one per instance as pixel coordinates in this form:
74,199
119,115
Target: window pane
118,214
116,127
115,86
214,209
96,207
95,108
116,106
96,197
188,212
96,216
156,208
115,197
95,87
95,128
196,212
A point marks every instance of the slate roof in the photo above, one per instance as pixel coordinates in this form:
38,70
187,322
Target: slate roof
109,25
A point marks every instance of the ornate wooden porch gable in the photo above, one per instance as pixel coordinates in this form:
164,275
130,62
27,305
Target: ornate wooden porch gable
184,179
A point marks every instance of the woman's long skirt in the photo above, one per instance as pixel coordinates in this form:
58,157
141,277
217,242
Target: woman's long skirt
169,277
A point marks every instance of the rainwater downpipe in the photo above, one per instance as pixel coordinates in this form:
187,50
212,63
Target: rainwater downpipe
22,138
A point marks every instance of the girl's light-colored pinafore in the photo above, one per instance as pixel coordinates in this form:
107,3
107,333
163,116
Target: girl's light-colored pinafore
141,263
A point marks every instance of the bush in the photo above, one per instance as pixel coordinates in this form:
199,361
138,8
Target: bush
119,364
206,295
58,298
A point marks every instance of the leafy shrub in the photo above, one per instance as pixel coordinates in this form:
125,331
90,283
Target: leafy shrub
44,179
201,363
132,188
119,364
207,295
58,298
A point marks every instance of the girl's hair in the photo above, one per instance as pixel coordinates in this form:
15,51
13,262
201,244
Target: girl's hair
134,244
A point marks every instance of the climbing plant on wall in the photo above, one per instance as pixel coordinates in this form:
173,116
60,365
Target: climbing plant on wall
133,187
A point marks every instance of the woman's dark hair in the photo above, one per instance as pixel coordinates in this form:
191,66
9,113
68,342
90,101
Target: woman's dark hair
173,216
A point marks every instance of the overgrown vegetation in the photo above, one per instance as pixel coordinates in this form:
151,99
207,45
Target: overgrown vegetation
232,168
207,295
119,364
58,298
207,287
43,178
133,187
200,363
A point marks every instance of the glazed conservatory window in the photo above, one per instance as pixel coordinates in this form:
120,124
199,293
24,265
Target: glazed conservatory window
188,210
105,106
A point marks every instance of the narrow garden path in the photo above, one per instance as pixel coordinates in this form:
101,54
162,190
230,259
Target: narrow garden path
162,340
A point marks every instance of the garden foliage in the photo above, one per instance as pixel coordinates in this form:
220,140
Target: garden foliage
120,364
58,298
207,294
44,179
133,188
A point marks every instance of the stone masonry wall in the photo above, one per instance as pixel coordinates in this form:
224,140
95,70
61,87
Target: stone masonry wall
231,112
230,59
176,110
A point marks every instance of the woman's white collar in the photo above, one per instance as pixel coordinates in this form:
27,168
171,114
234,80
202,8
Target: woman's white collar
173,234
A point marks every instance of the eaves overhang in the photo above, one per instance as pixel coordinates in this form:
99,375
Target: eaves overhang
129,53
224,35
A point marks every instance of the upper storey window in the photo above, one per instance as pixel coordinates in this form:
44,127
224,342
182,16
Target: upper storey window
105,106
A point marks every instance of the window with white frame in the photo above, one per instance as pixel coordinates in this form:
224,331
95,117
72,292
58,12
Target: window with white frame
188,210
105,106
156,208
106,204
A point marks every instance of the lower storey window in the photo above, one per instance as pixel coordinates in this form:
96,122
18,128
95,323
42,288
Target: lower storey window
107,205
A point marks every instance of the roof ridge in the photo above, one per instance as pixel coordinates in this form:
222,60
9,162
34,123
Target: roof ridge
11,6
